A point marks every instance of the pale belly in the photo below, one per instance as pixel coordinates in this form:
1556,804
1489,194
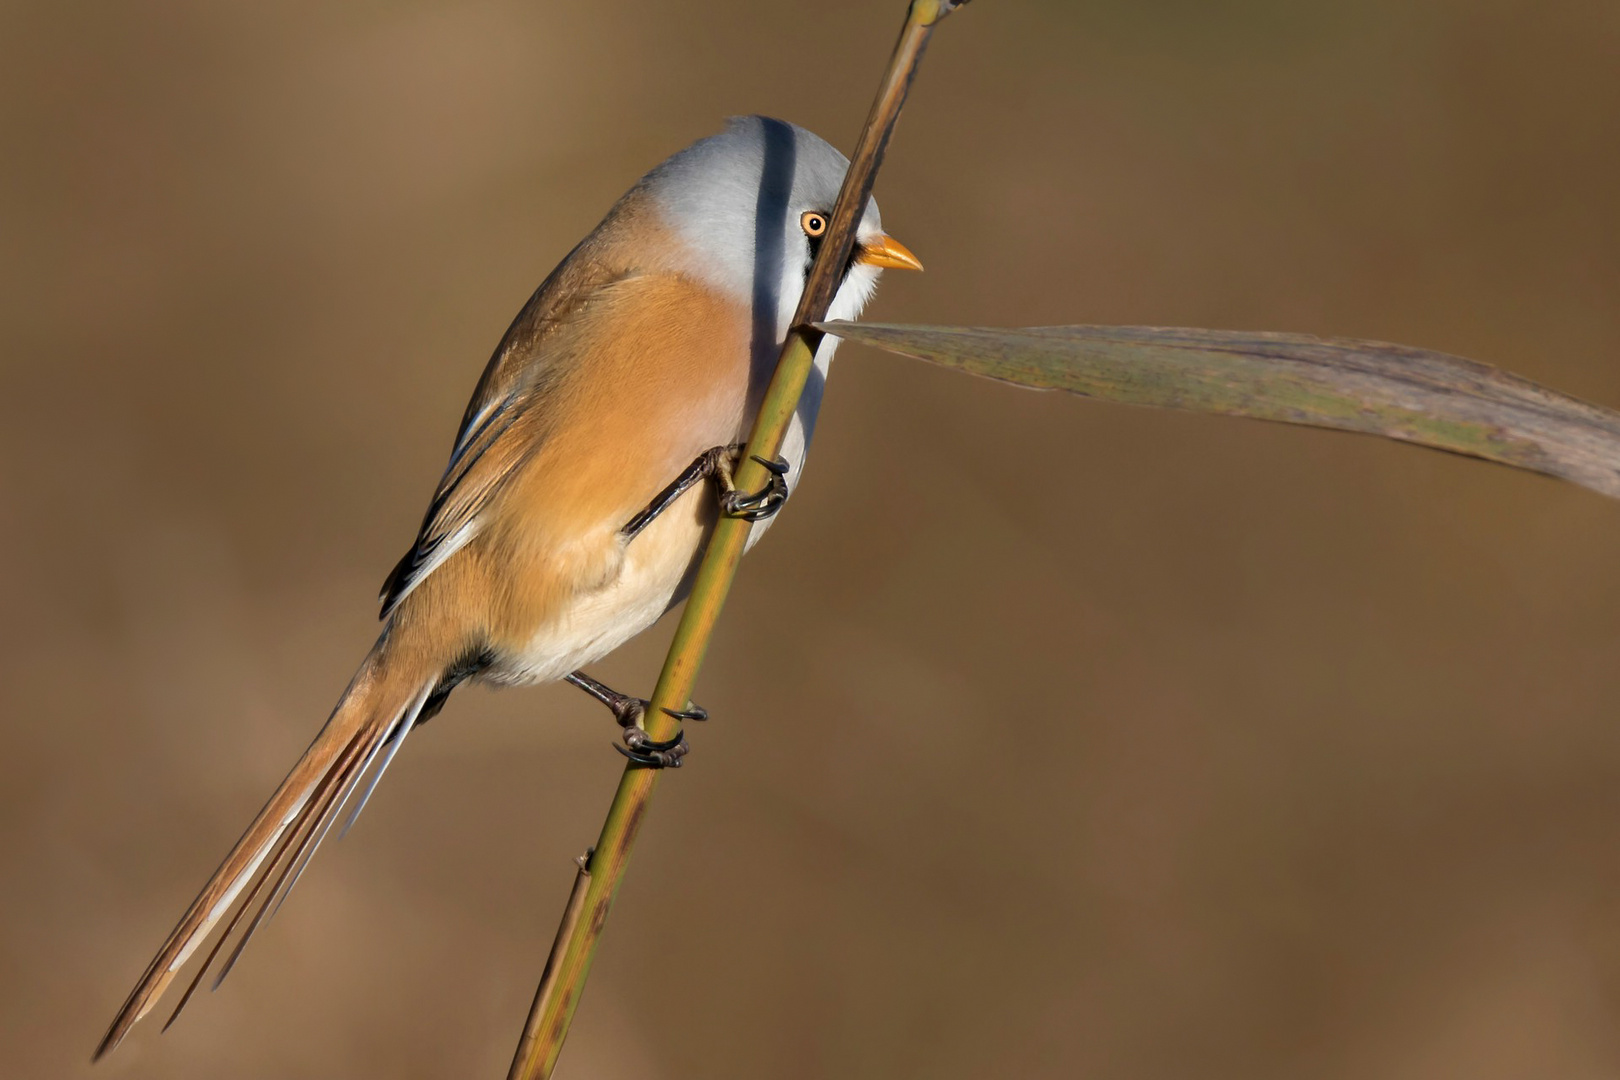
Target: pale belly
652,574
648,575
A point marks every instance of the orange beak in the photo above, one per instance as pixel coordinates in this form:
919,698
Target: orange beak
889,253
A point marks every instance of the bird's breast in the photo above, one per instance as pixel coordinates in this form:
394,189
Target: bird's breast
671,378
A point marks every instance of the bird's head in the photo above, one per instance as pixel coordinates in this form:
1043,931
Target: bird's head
750,207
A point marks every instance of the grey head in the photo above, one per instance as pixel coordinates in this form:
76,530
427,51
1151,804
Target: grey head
749,204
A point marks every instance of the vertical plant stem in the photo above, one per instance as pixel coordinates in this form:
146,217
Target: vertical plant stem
571,955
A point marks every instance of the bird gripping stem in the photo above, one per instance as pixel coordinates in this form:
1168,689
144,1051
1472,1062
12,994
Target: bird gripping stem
577,938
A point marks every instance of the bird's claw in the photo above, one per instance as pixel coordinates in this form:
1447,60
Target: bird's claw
652,753
762,503
639,746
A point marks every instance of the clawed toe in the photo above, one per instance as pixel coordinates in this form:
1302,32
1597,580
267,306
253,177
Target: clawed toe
762,503
718,463
652,753
639,746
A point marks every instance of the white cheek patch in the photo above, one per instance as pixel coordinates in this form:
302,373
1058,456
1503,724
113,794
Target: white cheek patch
859,285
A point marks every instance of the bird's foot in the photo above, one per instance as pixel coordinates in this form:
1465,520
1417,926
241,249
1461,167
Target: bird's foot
750,507
640,747
653,753
718,462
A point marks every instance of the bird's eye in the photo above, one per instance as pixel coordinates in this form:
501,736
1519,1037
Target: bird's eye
813,223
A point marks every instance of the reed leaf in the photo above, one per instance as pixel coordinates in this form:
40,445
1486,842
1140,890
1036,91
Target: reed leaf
1397,391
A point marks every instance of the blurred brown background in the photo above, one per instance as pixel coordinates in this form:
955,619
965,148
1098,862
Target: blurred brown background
1052,739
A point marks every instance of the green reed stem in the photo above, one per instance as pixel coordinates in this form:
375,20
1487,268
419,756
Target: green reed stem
602,870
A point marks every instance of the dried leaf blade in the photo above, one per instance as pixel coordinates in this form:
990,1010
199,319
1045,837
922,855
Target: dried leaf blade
1396,391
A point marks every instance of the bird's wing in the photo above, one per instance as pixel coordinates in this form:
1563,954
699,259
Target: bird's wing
501,428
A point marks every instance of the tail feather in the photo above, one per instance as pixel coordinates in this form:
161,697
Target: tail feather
321,823
378,704
395,740
343,776
247,905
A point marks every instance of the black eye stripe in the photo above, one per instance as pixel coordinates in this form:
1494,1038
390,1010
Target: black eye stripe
815,249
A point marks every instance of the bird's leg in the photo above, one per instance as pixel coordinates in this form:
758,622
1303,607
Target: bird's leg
694,474
628,711
718,463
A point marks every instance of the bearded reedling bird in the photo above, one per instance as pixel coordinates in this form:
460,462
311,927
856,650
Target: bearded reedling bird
572,512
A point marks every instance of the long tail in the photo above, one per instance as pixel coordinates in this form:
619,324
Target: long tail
376,712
